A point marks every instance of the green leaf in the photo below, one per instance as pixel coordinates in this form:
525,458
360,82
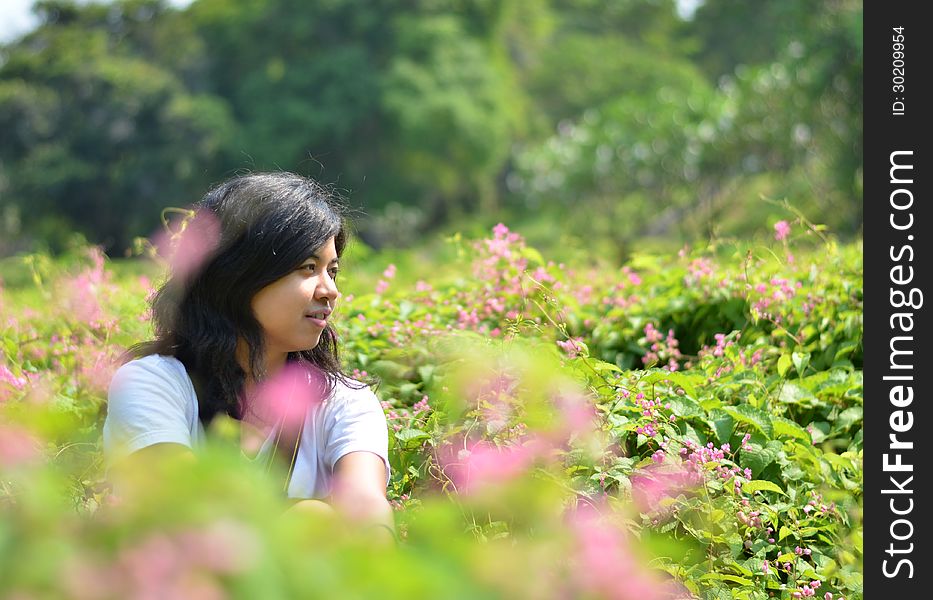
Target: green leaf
792,393
727,577
406,307
760,485
722,424
759,457
753,416
409,435
785,531
845,350
680,379
783,364
785,426
848,417
685,407
801,360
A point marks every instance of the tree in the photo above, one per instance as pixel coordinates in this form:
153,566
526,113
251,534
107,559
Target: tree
99,139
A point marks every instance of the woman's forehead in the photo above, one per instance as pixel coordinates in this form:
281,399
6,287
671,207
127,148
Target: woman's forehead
326,251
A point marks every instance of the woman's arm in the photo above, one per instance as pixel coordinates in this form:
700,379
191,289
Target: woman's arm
359,492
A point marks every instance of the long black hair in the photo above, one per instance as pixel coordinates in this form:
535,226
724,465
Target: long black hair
267,224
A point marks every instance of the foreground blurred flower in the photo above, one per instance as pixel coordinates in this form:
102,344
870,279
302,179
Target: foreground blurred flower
482,464
18,447
189,249
9,380
288,395
605,565
184,564
655,483
781,230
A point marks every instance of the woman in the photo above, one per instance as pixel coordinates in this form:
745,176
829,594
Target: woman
253,306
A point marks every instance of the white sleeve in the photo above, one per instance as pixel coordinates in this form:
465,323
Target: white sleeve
146,405
357,423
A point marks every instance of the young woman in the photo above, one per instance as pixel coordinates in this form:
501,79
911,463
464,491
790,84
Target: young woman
255,302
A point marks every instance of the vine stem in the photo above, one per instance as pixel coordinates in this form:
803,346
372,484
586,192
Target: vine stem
563,330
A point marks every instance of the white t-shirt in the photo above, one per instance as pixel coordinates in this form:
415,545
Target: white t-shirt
152,400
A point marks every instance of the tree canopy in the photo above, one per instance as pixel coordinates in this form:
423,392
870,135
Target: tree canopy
426,112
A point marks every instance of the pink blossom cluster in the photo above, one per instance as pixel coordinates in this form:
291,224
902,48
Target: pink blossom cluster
399,503
697,457
781,230
421,405
808,590
583,293
572,346
699,270
752,519
541,275
500,262
772,298
402,332
615,294
661,349
383,284
400,418
396,418
720,351
651,410
85,294
816,506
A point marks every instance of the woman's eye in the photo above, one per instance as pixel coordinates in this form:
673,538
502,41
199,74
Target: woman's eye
333,273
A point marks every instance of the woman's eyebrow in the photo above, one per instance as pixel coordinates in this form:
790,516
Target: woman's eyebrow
316,257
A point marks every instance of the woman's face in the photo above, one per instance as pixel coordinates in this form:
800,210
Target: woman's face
294,309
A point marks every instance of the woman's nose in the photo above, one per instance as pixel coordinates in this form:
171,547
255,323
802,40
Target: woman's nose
328,288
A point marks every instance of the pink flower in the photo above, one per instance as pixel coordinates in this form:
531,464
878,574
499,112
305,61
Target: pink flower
18,447
389,273
603,564
7,376
193,246
572,346
652,484
483,465
781,229
225,547
500,230
287,395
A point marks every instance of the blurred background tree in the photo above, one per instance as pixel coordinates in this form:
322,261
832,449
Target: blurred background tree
624,121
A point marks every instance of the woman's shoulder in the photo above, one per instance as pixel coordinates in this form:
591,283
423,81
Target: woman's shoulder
353,394
348,389
154,368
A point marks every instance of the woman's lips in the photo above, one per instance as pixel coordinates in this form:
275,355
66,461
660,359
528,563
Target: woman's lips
319,322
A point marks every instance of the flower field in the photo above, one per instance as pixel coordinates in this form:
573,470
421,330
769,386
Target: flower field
685,426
